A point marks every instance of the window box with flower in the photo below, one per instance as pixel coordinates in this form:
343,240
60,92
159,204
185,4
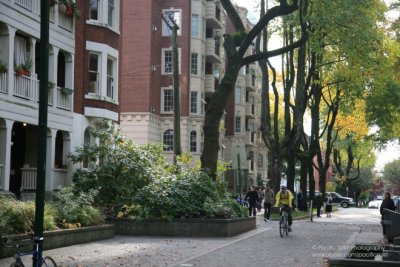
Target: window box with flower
3,67
69,8
66,91
24,69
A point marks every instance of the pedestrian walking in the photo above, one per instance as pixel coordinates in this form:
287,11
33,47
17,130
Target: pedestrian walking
318,203
328,205
268,202
387,203
252,198
299,198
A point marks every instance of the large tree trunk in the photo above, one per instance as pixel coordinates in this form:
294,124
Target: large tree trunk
236,45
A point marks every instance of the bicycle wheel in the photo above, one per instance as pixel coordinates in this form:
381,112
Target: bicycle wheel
49,262
281,226
286,226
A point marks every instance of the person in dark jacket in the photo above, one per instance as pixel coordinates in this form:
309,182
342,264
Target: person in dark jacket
318,203
252,198
387,203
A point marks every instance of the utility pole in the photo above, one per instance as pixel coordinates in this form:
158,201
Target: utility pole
177,107
42,125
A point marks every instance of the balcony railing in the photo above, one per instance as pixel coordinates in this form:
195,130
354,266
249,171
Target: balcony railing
213,15
212,51
60,177
64,101
29,177
65,21
27,87
28,181
1,174
3,83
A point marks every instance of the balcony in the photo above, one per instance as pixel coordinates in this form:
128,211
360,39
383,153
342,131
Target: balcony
250,138
210,83
212,51
213,15
3,83
27,88
250,111
32,9
250,82
29,177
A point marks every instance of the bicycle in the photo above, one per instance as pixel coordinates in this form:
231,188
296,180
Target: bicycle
283,222
34,240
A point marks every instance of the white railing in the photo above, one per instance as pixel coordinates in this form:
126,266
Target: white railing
28,178
1,175
60,177
26,87
27,4
3,82
50,96
64,101
66,22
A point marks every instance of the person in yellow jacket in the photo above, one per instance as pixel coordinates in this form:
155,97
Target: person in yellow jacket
284,199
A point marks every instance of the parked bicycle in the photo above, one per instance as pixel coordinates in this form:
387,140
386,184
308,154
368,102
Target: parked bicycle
35,241
284,221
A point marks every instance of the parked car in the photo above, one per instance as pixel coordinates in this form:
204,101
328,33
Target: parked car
374,204
344,202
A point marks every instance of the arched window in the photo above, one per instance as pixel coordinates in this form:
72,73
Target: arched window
260,161
168,140
193,141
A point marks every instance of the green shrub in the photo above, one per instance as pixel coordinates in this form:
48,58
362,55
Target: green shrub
17,217
224,207
74,208
116,167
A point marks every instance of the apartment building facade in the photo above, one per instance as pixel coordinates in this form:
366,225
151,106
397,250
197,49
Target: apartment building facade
147,83
83,85
244,145
146,70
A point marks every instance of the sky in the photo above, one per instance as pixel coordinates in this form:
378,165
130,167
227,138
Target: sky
392,151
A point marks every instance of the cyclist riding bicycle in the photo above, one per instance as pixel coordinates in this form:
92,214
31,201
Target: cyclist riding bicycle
284,198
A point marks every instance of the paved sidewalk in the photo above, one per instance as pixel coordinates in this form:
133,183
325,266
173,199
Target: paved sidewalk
307,245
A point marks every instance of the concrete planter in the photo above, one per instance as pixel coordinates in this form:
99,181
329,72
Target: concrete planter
186,227
66,237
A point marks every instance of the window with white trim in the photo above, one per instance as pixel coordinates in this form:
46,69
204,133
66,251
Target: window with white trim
195,25
193,141
104,13
110,78
202,104
168,140
102,72
167,61
93,73
201,142
238,124
176,15
193,102
194,64
238,95
168,100
260,161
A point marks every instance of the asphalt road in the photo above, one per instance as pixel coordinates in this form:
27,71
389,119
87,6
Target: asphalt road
352,216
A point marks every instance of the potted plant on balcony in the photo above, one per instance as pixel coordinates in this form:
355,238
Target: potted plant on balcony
69,8
24,69
3,67
66,91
